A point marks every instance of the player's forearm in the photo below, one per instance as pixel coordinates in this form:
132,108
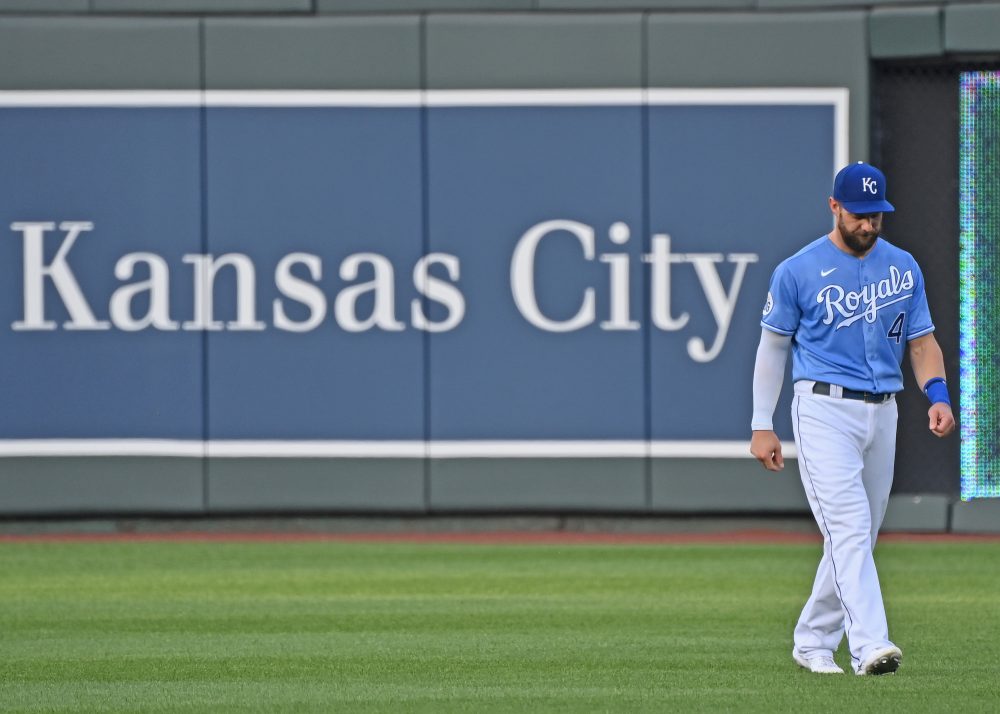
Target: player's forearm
926,359
768,374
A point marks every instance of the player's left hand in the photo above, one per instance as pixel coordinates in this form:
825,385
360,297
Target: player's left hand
942,421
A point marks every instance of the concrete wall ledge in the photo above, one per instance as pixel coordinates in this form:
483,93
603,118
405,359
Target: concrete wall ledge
897,33
977,516
917,513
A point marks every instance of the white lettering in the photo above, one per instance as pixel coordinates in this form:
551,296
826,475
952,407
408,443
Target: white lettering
660,260
619,233
848,304
206,267
438,304
522,276
158,286
722,302
299,290
35,272
832,303
439,291
384,313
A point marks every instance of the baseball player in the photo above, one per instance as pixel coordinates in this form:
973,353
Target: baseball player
848,304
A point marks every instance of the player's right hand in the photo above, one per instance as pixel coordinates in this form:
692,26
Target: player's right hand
766,448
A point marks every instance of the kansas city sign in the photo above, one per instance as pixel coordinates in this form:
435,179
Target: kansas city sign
126,312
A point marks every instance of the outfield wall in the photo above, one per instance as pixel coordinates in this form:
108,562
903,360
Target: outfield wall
660,418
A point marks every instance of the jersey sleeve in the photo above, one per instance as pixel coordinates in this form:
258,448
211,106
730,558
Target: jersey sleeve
919,322
781,309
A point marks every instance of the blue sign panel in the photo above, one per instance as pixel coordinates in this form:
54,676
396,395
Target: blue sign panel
326,205
527,197
406,270
733,191
93,200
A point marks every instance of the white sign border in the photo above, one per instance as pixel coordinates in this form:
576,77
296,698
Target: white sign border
838,97
375,449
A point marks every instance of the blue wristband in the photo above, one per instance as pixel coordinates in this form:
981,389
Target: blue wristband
937,391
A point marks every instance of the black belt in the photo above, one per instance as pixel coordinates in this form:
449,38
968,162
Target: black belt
870,397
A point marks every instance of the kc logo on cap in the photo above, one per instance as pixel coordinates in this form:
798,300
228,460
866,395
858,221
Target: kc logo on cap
860,188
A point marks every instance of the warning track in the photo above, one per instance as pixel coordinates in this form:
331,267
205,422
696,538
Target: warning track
738,537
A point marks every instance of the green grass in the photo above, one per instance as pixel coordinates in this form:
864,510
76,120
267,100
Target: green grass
365,627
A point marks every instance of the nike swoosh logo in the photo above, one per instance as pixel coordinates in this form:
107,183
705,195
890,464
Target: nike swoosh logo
824,273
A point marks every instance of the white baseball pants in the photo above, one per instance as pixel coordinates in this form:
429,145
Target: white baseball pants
846,451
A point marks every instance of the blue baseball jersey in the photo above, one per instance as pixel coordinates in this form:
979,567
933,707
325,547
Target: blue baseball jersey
850,318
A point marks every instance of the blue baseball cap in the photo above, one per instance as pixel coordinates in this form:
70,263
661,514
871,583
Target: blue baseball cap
860,188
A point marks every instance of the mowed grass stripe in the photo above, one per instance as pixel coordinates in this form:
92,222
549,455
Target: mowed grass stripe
359,627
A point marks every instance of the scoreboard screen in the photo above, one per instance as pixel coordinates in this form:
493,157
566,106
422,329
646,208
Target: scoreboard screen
979,265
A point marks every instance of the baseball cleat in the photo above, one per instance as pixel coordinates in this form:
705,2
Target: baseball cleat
819,664
884,660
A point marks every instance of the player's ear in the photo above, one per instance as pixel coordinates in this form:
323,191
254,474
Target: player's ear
834,205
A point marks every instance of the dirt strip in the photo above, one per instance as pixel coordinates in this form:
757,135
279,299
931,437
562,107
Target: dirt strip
757,536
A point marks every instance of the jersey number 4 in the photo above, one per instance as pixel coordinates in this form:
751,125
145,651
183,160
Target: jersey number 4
896,329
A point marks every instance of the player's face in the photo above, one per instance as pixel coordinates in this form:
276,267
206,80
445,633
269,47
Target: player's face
859,230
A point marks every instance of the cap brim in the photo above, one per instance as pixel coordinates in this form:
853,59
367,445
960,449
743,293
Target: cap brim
863,207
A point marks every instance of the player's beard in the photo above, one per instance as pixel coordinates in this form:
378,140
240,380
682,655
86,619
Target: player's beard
860,242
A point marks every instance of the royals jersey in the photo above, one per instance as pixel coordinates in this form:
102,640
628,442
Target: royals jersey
850,318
